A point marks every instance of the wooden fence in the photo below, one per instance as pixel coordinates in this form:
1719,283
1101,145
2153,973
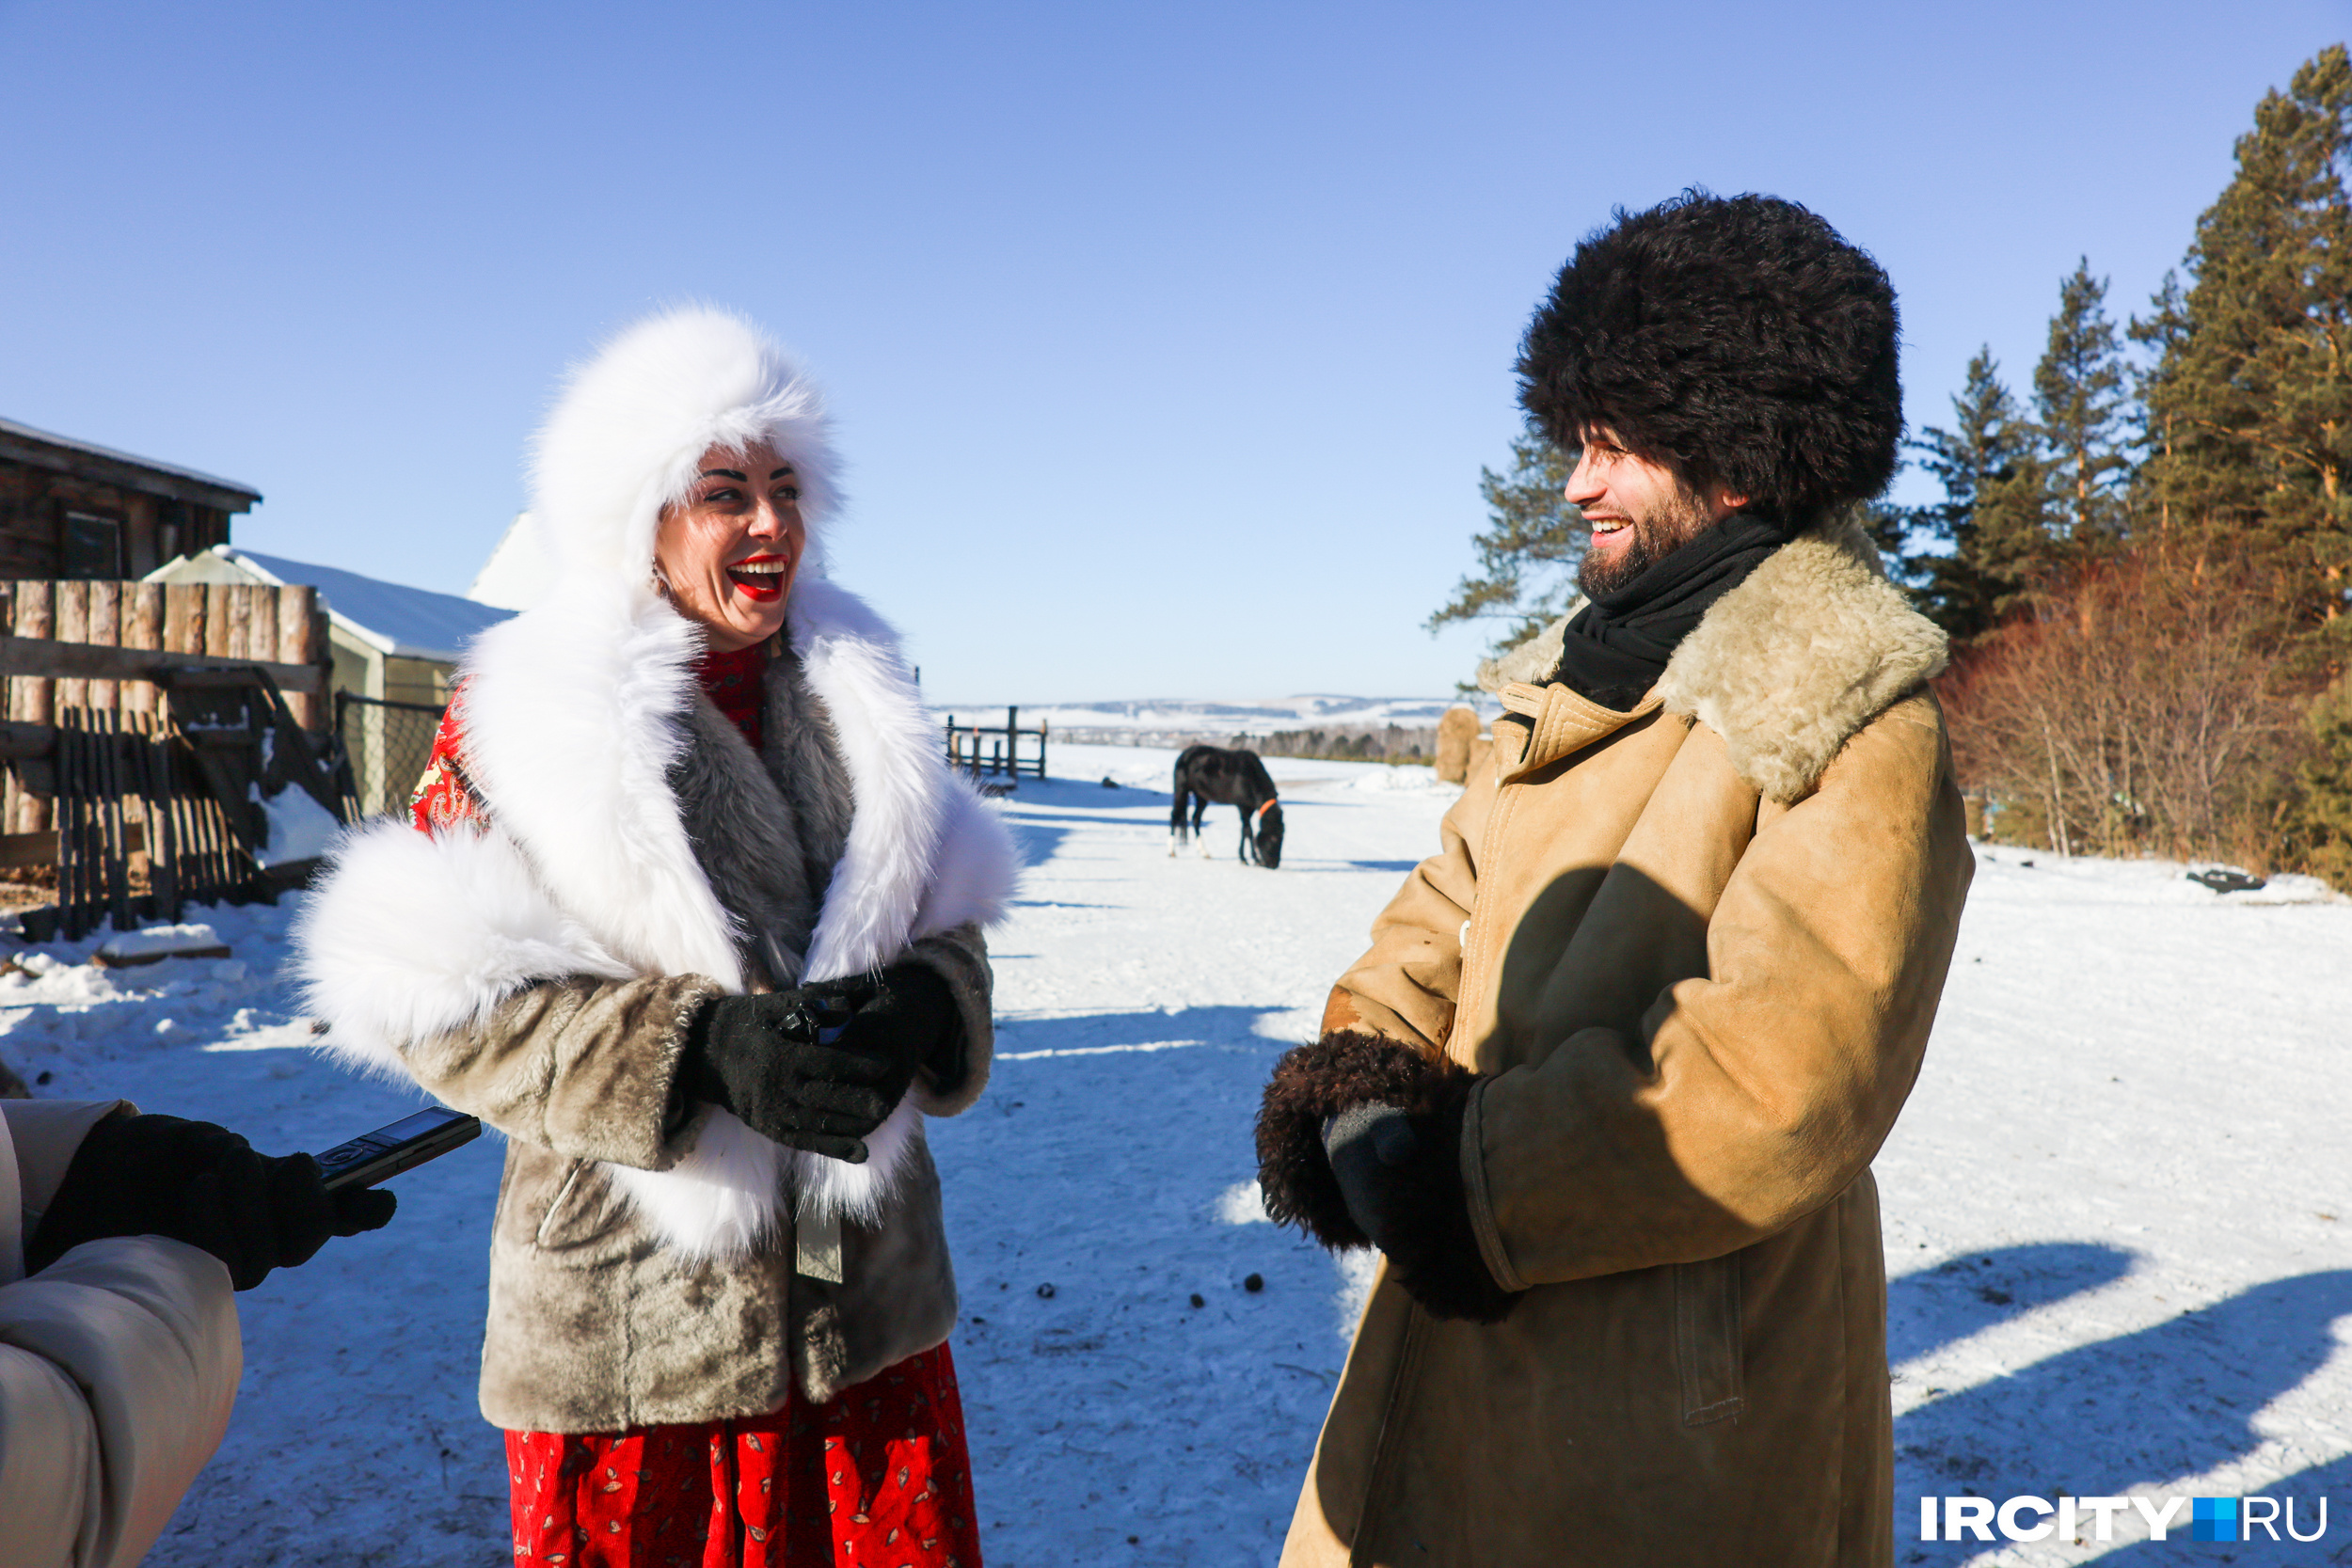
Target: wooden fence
128,787
983,748
146,726
88,647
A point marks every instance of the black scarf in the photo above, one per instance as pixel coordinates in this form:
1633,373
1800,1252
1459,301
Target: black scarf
1617,645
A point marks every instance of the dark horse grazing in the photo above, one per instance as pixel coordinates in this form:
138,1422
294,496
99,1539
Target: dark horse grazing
1207,774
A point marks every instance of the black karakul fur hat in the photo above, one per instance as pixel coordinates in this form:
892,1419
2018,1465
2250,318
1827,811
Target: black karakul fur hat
1737,339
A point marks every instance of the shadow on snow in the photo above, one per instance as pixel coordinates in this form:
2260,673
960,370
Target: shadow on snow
2175,1399
1234,1028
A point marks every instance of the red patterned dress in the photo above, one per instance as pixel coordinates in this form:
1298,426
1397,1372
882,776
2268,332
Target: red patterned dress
880,1478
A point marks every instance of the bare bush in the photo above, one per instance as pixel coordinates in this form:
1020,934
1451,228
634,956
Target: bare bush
2132,710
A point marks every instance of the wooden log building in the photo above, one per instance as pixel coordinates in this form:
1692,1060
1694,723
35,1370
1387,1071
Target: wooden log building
79,524
74,511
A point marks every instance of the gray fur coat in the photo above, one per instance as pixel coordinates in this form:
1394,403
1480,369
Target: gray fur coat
653,1260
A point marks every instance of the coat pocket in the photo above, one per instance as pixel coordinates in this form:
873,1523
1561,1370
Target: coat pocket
563,1212
1706,1340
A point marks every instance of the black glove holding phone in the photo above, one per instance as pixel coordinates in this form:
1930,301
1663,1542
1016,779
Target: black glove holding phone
193,1182
819,1067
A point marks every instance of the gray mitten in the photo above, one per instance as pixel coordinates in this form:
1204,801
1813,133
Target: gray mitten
1366,1144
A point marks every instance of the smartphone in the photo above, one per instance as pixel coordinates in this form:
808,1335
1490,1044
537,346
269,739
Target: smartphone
377,1156
832,1017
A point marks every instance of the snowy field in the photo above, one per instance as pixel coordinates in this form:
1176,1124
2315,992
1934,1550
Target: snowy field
1262,716
2117,1207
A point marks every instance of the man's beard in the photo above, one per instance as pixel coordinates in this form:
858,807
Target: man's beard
1655,537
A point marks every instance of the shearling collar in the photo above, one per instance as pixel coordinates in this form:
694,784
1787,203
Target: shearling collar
1786,666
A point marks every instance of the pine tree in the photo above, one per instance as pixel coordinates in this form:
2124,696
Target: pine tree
2318,820
1528,556
2161,333
1893,530
2079,396
1979,568
2024,499
2253,389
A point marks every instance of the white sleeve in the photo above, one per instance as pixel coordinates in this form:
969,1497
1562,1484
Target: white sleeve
119,1365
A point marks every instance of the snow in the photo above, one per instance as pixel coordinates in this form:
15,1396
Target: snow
412,623
148,941
2116,1207
10,427
518,571
300,828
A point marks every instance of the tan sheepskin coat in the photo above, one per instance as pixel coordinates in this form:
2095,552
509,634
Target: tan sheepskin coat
1695,950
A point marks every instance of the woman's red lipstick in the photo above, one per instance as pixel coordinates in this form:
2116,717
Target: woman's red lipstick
760,577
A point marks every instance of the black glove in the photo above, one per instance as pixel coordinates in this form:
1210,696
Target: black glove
1360,1140
1367,1144
821,1066
195,1183
917,1011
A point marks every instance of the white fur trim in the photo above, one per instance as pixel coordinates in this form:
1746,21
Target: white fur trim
467,920
571,726
977,867
626,434
890,870
572,721
896,779
722,1199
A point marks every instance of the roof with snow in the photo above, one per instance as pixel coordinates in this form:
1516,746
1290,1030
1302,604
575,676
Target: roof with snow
226,493
390,617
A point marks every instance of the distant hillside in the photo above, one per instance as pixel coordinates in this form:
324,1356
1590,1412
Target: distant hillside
1317,724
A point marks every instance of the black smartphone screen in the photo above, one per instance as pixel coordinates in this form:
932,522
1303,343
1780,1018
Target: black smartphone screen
376,1156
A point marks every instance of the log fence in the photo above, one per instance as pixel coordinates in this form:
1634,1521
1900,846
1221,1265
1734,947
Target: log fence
104,627
145,725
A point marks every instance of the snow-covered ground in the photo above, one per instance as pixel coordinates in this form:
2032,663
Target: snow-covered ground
1128,720
2117,1206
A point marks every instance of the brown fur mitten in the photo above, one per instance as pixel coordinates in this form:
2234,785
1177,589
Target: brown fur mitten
1313,1083
1428,1239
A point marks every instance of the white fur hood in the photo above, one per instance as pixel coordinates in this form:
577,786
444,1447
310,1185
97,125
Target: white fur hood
625,437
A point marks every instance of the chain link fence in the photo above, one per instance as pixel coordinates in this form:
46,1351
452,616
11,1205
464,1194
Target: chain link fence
388,744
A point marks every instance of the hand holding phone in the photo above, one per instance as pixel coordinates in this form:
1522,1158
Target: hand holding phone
204,1185
403,1144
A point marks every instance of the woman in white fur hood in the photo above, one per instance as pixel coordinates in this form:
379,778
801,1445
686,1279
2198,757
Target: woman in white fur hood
694,919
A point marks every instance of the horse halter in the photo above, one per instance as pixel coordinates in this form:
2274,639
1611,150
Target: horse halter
1270,804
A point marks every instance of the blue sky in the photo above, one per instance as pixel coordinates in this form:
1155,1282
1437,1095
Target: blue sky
1167,340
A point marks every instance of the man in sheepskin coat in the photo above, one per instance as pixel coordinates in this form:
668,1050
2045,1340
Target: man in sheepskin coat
1606,1088
685,810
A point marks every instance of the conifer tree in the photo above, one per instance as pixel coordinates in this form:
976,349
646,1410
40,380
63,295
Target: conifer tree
2079,396
2023,499
2253,389
1983,560
1528,556
2318,820
2160,333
